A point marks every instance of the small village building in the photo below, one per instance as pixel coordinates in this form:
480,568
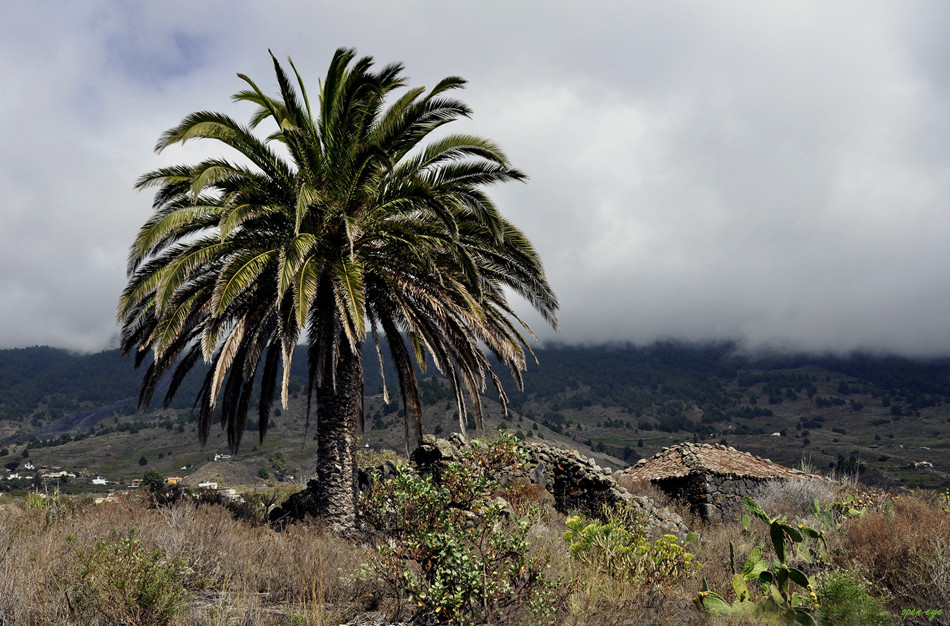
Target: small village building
172,481
59,474
712,479
231,494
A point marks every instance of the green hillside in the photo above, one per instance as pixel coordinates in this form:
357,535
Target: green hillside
885,418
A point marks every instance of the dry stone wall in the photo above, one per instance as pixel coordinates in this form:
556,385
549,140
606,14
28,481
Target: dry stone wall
577,483
715,498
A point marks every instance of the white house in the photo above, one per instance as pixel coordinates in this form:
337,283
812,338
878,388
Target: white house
232,494
59,474
99,480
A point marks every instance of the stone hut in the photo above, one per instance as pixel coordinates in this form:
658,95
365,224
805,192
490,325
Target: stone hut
711,479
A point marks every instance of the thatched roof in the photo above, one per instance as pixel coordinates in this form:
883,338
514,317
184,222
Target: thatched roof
691,458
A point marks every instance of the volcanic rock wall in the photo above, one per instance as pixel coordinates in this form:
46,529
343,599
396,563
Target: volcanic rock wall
577,483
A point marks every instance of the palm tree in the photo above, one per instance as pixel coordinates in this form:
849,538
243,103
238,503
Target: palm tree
341,225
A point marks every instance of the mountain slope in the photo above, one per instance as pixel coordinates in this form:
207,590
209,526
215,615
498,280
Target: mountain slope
862,413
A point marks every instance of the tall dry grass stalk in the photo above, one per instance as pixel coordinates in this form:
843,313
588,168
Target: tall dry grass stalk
795,498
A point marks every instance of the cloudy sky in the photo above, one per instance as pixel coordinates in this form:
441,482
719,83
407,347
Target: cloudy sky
777,173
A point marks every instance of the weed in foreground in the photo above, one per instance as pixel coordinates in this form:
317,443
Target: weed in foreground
619,548
777,588
120,582
452,552
846,601
905,552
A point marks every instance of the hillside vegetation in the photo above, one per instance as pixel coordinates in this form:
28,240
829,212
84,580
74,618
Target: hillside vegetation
471,548
883,418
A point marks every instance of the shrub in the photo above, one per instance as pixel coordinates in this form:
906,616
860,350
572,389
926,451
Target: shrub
620,549
153,481
905,551
452,548
122,583
368,458
845,601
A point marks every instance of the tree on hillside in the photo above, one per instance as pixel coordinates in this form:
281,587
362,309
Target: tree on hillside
152,481
348,221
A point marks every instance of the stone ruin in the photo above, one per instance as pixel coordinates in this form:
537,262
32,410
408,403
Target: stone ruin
711,479
575,483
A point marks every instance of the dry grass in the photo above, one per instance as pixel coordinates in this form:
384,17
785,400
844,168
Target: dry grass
234,570
240,572
906,553
795,498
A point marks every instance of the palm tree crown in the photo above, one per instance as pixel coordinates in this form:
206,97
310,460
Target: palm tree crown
348,221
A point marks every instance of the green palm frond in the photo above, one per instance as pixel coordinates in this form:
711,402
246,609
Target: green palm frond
183,268
348,282
239,274
292,257
170,225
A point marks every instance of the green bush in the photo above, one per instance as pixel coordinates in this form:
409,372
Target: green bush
845,601
122,583
620,549
453,549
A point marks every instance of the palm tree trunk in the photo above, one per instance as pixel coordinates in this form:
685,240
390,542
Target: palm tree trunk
337,417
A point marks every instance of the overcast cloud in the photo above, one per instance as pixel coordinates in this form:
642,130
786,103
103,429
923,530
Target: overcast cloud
777,173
